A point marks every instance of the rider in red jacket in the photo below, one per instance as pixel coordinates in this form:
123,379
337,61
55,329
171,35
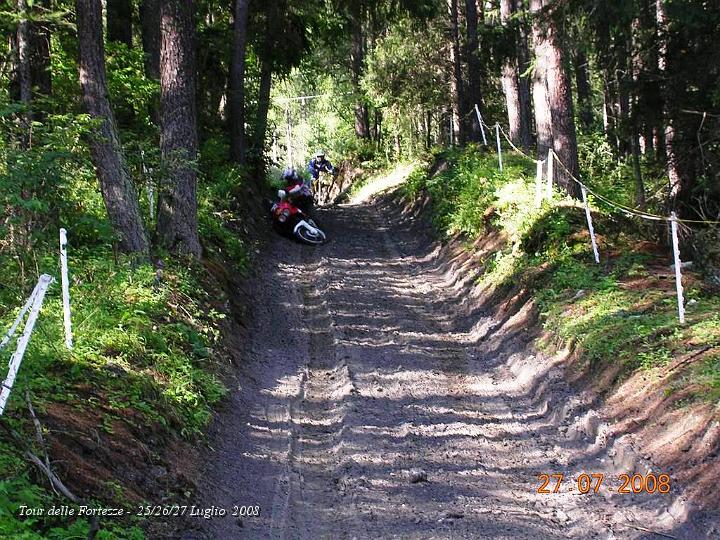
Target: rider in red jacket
296,190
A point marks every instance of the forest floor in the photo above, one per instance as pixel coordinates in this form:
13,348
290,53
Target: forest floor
380,398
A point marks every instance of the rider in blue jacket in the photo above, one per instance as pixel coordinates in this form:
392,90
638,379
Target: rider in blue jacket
319,164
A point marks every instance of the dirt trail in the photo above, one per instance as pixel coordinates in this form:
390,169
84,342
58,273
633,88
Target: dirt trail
368,359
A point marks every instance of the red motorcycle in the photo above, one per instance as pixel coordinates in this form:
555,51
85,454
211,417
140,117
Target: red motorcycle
290,220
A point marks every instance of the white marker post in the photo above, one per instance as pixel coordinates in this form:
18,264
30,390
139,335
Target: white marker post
550,175
499,148
538,183
678,272
42,286
590,224
480,121
148,186
151,199
288,137
65,289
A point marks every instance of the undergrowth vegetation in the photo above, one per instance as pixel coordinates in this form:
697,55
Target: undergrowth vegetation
620,314
147,354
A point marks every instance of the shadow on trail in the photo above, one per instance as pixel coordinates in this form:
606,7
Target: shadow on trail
395,364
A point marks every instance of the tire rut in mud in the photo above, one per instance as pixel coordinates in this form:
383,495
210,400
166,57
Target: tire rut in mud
382,402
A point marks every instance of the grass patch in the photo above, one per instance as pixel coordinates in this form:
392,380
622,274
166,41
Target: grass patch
145,369
620,314
146,354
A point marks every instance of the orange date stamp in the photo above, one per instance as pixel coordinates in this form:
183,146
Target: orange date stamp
592,483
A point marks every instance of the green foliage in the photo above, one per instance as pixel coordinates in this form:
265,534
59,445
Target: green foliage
219,187
133,95
404,70
140,345
467,184
616,319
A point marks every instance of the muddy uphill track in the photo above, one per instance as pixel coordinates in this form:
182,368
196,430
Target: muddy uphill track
379,398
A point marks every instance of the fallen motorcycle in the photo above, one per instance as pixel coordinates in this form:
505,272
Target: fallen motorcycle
288,219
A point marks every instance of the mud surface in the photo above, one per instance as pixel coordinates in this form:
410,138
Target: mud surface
380,398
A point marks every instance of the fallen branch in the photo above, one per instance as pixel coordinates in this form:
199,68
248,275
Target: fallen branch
38,428
45,468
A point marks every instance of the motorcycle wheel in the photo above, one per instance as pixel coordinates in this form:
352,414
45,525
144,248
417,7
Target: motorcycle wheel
307,237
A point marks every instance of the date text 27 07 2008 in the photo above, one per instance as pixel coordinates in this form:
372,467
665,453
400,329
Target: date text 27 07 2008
593,482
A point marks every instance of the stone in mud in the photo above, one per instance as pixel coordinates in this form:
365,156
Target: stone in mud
454,515
415,476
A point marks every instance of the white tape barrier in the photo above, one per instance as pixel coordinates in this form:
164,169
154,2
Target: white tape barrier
499,148
65,289
38,298
482,127
678,273
10,333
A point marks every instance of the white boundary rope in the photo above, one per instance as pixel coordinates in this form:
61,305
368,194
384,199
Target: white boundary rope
630,212
38,297
499,147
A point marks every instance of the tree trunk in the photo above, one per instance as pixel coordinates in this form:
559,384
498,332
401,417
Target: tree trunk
177,216
543,122
561,110
680,178
266,76
263,107
646,63
23,60
119,21
150,33
676,176
523,61
237,83
640,200
115,183
510,78
357,64
41,75
429,138
150,36
584,89
456,79
474,68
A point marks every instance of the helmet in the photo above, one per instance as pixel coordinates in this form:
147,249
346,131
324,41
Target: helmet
289,175
319,154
